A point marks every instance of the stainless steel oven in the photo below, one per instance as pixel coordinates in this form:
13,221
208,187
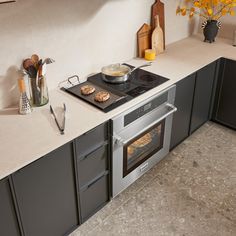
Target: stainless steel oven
141,138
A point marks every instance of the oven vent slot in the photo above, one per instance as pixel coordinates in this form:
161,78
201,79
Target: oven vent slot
143,110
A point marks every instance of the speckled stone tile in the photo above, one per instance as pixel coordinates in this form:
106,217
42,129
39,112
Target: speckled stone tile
191,192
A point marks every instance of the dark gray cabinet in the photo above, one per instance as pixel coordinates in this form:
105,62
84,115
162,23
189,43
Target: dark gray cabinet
93,167
225,101
182,118
194,99
8,220
46,194
203,96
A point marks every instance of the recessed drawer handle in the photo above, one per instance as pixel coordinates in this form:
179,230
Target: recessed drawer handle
96,180
87,155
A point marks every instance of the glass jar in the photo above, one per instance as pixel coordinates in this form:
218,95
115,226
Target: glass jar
38,91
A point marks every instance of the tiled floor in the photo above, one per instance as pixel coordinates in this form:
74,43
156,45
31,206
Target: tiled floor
192,192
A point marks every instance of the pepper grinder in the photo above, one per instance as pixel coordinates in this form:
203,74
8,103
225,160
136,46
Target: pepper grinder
24,103
234,40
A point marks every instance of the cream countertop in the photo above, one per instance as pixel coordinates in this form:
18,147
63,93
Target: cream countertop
25,139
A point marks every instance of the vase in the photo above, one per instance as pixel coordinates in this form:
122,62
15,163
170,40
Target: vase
210,30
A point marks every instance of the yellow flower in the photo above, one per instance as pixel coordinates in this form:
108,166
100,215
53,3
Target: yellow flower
183,11
178,10
209,11
197,4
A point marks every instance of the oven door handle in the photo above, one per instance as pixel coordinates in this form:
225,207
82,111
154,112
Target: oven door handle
171,109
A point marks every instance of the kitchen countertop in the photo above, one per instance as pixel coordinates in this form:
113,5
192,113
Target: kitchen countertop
25,139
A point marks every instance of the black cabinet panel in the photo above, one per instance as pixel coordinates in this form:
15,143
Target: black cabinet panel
8,220
225,104
46,194
203,96
94,196
93,151
183,102
94,138
93,165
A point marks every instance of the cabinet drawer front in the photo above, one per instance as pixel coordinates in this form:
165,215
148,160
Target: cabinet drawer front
93,165
91,140
94,197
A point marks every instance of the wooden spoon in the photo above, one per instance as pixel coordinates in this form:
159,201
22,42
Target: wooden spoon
35,59
27,63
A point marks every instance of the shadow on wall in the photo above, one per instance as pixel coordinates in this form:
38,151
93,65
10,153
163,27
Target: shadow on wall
193,25
9,93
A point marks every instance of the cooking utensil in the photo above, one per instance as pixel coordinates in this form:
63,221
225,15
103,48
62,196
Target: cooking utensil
27,63
61,128
144,39
24,104
158,8
35,60
48,61
117,73
64,118
32,71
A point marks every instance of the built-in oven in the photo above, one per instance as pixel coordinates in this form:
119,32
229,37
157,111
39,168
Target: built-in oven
141,138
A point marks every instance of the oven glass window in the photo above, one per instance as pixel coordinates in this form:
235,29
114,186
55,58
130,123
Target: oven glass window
142,147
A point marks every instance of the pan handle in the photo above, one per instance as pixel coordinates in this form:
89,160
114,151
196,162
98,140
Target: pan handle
144,65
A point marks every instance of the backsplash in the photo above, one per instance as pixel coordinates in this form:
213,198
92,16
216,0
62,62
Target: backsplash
82,36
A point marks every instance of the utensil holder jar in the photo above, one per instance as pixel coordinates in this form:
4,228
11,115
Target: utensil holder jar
38,91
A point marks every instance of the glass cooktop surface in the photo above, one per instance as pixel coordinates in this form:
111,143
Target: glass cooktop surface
138,83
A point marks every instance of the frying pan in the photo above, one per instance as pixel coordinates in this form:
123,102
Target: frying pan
118,73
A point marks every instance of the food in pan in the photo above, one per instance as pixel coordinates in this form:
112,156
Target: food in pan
102,96
146,139
87,89
116,70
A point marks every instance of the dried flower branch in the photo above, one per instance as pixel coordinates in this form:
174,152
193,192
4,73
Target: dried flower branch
208,9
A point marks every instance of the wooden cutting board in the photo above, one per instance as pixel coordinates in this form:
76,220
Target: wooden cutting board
158,8
144,36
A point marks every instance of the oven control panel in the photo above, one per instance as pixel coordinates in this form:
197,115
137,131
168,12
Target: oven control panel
146,108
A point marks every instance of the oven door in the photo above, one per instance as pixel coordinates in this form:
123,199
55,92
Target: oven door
140,146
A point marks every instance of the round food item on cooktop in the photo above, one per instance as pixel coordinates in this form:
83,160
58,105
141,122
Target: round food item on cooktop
87,89
102,96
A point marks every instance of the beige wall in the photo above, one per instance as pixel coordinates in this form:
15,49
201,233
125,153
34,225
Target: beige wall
228,26
81,35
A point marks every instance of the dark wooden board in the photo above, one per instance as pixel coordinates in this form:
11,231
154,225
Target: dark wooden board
144,39
158,8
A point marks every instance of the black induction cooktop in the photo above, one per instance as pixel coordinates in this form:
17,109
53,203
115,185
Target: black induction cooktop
138,83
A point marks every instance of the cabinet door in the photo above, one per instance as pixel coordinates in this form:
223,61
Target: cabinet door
203,96
94,196
8,220
225,104
46,194
183,102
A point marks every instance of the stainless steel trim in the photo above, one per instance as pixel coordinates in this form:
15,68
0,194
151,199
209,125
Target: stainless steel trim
119,140
121,133
144,167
